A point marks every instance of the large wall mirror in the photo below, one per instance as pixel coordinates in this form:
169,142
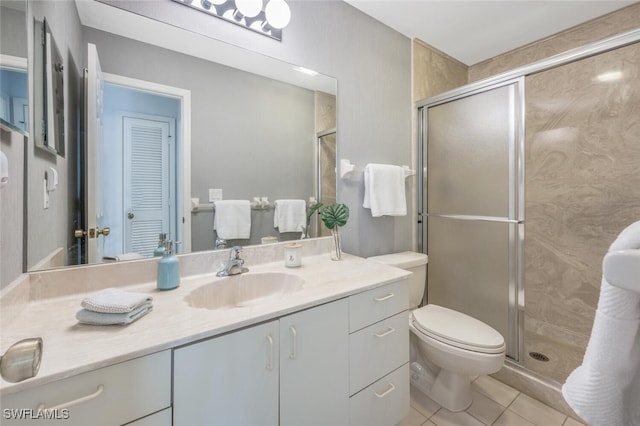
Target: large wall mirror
14,110
171,118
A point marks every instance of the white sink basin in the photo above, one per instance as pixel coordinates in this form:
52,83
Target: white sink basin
244,290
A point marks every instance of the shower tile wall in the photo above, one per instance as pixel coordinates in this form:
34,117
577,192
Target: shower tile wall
582,166
435,72
617,22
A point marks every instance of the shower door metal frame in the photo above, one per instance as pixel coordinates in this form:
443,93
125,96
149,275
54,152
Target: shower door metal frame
515,339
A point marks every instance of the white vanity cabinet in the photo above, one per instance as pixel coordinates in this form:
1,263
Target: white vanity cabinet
109,396
228,380
290,371
379,355
314,369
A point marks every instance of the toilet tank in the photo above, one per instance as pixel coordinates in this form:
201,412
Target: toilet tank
413,262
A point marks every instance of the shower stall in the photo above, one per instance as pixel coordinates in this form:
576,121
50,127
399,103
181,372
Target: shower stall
527,177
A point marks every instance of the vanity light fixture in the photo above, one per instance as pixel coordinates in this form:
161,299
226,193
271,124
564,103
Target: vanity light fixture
250,14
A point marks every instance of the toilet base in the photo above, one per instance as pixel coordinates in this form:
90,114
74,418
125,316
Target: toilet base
450,390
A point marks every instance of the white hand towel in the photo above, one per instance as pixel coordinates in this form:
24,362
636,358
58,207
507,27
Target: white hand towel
86,316
114,301
232,219
384,190
605,389
290,215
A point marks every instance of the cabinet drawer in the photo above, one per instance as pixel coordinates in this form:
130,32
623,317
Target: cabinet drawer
377,304
377,350
384,403
108,396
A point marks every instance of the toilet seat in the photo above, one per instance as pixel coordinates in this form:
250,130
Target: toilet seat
457,329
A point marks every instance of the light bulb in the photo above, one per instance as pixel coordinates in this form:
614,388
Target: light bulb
249,8
278,13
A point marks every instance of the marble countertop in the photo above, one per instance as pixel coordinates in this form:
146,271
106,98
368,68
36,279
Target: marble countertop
71,348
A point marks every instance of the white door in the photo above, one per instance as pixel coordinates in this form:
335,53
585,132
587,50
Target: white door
314,366
228,380
93,197
149,170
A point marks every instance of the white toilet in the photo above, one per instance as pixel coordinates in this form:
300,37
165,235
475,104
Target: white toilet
447,347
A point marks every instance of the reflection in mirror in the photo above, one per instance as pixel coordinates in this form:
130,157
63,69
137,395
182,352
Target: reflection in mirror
14,110
176,123
48,90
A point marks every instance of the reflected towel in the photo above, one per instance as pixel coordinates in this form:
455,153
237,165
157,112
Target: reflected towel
114,301
290,215
605,389
86,316
232,219
384,190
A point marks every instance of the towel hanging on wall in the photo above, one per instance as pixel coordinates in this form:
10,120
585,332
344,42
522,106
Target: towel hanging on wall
290,215
232,219
384,190
605,389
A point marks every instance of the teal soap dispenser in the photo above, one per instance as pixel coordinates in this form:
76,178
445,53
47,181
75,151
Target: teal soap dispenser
168,268
159,251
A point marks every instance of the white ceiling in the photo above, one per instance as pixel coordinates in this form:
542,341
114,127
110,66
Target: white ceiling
474,30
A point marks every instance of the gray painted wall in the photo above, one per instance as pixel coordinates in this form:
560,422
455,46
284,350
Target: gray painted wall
48,229
372,63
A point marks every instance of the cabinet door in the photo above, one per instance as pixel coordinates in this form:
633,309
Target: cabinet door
228,380
314,359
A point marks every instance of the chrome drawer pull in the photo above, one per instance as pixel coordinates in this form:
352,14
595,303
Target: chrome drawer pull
75,401
387,392
383,298
270,362
294,342
386,332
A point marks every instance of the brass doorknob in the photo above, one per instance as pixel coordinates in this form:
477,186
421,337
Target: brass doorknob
103,231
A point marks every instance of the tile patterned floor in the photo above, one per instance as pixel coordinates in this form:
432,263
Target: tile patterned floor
494,404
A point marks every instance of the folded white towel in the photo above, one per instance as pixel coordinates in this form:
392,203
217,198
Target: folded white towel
384,190
232,219
605,389
86,316
290,215
114,301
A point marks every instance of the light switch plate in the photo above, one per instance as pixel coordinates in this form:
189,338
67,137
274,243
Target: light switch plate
215,194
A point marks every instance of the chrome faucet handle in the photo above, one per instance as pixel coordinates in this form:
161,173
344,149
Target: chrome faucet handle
235,252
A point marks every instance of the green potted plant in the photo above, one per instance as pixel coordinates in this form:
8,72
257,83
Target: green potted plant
334,216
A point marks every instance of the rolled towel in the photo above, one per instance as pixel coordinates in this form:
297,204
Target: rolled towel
605,389
114,301
100,318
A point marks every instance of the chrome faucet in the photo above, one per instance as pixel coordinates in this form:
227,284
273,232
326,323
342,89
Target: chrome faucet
234,265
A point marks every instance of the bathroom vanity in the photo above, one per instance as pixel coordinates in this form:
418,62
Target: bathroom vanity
333,350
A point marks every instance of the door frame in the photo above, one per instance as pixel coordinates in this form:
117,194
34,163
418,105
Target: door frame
183,164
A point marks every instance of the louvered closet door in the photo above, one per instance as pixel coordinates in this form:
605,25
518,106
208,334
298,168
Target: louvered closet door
146,183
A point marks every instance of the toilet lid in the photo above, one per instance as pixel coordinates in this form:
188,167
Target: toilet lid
457,329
